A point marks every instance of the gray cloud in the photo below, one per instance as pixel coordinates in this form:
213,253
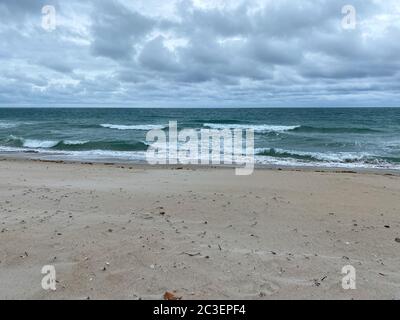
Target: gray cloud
155,56
116,29
177,53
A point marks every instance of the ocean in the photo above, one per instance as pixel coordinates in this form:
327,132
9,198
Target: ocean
323,137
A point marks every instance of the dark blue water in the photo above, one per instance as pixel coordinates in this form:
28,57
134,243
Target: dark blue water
346,137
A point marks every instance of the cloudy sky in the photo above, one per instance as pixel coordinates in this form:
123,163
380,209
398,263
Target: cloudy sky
200,53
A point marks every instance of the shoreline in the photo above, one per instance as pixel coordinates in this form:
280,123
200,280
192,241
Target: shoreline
143,164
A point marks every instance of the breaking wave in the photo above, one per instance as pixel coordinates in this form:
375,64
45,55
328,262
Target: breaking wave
133,127
256,128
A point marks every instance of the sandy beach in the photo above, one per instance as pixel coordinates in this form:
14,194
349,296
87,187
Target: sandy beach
135,232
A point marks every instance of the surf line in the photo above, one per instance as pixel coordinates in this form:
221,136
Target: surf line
204,146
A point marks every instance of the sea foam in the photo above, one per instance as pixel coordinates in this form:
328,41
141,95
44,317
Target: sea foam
256,128
30,143
133,127
7,125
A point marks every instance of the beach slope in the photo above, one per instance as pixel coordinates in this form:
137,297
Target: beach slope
115,231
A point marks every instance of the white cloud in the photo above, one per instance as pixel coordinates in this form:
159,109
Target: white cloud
200,52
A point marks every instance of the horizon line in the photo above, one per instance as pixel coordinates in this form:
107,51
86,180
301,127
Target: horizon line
96,106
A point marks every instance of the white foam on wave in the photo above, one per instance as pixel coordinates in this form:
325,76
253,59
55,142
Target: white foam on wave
256,128
12,149
267,160
323,156
7,125
322,159
133,127
31,143
75,142
327,160
11,137
106,154
80,155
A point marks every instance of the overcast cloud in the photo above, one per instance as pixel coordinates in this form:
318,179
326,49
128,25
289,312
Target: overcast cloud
200,53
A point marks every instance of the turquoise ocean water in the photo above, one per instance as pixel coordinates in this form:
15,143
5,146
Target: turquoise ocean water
342,137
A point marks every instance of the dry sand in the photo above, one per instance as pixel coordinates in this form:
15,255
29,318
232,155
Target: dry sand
118,232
